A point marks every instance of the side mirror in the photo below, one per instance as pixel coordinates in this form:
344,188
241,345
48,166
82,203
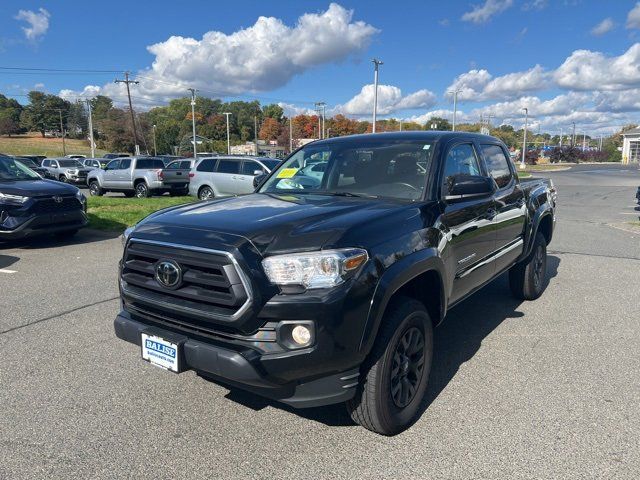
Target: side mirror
257,172
258,179
463,187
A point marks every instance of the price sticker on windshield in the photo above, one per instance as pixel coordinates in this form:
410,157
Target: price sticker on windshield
287,172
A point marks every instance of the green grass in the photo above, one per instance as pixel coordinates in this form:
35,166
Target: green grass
34,144
545,167
116,214
524,174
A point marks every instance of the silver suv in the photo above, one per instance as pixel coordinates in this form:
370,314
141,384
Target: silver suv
227,175
68,170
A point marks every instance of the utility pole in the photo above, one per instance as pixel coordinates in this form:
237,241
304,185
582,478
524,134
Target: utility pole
573,136
524,141
126,81
376,65
255,132
320,108
193,121
455,107
155,147
323,106
561,137
400,124
290,134
64,148
584,141
228,141
93,145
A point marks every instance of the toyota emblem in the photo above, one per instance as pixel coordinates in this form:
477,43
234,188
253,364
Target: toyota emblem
57,199
168,273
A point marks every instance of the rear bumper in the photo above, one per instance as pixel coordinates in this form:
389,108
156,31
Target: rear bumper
44,224
244,368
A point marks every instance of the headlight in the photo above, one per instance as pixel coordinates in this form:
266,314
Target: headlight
323,269
126,234
81,198
73,171
12,199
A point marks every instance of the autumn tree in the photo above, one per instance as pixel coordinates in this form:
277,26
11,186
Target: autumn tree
270,129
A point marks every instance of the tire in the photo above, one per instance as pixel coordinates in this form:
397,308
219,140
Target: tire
206,193
142,190
381,404
62,179
527,279
94,189
66,234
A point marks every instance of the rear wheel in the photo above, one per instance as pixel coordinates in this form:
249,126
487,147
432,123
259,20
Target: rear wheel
205,193
63,179
527,279
394,378
94,189
142,190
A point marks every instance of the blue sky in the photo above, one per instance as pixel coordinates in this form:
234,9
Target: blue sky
508,52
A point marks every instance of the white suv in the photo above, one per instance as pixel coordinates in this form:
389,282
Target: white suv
227,175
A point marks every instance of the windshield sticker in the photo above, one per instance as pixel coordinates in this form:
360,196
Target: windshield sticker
287,172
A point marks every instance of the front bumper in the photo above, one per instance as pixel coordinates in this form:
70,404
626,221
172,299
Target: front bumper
246,368
41,224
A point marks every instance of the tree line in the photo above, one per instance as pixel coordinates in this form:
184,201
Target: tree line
168,129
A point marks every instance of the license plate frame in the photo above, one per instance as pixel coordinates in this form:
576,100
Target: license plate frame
161,352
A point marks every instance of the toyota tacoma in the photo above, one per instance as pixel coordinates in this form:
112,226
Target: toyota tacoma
324,285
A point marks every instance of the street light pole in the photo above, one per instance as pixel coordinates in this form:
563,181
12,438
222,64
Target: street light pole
573,136
290,134
524,141
228,142
400,124
455,107
193,120
376,64
155,148
64,148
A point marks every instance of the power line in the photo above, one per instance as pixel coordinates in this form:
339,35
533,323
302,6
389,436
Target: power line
126,81
59,70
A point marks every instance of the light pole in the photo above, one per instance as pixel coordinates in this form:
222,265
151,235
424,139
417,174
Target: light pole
455,107
376,64
400,124
193,120
93,145
573,136
524,141
290,134
320,109
561,137
155,148
228,142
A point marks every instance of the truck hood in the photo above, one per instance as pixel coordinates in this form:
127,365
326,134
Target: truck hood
37,188
272,223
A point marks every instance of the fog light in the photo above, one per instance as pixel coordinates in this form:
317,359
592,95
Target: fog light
301,335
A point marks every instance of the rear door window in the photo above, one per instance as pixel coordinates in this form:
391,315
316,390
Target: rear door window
124,164
228,166
497,164
148,164
207,165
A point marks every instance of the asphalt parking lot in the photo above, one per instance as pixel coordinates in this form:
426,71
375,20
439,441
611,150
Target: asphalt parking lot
544,389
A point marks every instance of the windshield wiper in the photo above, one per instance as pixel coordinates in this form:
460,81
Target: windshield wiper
348,194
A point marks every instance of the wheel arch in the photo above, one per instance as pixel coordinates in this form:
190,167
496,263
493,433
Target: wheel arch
421,276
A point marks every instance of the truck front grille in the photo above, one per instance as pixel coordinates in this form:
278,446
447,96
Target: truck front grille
211,285
50,205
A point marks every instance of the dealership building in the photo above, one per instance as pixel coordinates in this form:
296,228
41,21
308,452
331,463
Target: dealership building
631,145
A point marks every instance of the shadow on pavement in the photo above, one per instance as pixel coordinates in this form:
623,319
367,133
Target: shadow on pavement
85,235
7,261
456,341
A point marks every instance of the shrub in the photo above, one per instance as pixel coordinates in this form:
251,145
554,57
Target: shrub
531,157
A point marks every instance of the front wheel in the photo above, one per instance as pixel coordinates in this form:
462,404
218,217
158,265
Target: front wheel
94,189
394,378
142,190
63,179
527,279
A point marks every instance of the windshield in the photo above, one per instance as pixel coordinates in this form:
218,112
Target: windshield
70,163
27,162
11,170
270,164
373,168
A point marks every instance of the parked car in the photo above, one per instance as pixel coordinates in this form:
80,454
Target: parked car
330,293
167,159
111,156
95,162
139,176
227,175
27,162
76,156
68,170
30,205
37,159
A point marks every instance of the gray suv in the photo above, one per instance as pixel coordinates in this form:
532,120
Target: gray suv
68,170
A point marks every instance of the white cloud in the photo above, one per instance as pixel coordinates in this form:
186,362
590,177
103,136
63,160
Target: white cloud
605,26
633,17
587,70
423,119
262,57
390,100
38,23
483,13
291,110
480,85
535,5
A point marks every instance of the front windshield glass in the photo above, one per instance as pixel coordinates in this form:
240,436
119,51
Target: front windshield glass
270,164
12,170
70,163
373,168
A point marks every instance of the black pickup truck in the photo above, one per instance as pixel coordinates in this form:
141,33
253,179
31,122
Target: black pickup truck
325,285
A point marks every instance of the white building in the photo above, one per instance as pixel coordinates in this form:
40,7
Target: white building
631,145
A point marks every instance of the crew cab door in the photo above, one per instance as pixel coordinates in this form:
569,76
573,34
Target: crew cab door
510,205
122,176
467,224
110,173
